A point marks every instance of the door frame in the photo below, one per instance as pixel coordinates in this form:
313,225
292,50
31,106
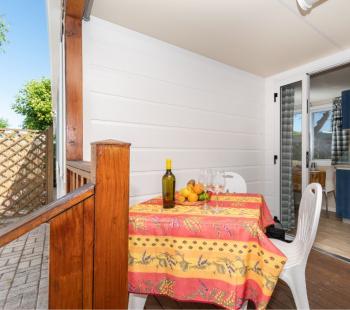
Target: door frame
288,77
305,87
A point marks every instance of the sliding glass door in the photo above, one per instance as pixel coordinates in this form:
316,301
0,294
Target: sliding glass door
294,149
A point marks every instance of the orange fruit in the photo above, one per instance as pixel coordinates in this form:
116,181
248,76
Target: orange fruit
198,188
193,197
190,187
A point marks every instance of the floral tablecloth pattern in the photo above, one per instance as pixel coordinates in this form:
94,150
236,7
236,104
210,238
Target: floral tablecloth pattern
212,256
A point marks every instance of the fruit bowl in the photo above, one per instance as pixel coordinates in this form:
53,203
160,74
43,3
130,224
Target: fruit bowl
192,195
188,203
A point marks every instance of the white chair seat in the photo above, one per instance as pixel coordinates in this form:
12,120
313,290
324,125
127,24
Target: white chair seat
294,252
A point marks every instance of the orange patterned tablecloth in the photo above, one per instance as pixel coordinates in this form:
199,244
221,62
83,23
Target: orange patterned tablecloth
192,254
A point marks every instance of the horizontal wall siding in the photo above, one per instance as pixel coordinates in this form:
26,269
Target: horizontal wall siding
169,102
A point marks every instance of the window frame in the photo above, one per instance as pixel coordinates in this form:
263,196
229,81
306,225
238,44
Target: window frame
320,108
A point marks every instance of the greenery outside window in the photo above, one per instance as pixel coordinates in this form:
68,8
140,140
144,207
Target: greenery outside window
321,133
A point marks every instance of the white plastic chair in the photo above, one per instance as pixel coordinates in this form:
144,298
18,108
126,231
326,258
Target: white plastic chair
234,183
298,251
137,301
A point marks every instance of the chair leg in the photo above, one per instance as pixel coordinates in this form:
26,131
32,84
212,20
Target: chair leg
137,301
244,305
295,278
326,198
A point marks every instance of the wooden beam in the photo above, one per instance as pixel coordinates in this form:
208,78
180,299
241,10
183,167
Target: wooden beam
74,84
75,8
110,173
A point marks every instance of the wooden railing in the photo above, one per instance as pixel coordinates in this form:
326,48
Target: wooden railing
78,174
88,235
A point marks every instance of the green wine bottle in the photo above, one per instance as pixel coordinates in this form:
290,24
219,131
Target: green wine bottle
168,187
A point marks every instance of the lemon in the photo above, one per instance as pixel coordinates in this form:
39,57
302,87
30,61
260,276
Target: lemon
181,198
185,192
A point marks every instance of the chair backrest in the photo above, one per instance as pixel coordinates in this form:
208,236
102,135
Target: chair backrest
235,183
308,218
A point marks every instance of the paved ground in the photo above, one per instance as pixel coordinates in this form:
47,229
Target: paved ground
24,271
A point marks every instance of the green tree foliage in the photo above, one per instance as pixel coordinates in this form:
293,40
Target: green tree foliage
3,33
33,101
4,123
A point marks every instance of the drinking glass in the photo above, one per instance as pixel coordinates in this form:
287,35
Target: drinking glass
218,186
204,178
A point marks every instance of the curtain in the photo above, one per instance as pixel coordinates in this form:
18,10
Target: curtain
339,136
287,194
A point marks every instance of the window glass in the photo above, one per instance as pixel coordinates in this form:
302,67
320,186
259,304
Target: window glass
297,136
321,131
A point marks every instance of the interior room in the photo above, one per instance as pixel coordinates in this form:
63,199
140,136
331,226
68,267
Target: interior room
329,165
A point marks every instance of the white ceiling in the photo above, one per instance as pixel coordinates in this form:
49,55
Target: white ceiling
260,36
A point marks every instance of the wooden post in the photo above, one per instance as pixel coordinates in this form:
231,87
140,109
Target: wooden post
110,173
88,235
49,164
74,93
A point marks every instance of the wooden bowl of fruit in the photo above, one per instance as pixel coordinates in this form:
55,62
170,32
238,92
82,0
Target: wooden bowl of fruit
192,195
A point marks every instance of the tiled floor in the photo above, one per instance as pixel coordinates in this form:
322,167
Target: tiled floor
24,271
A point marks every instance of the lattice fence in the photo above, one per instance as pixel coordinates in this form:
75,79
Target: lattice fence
26,166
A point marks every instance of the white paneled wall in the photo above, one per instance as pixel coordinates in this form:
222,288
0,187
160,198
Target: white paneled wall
169,102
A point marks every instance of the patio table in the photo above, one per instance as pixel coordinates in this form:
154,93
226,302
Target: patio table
212,256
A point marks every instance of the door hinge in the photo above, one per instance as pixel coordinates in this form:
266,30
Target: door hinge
307,106
307,159
275,158
275,96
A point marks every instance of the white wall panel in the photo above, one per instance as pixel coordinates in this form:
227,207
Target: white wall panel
169,102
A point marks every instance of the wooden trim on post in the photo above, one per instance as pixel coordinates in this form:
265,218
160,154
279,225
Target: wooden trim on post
110,173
